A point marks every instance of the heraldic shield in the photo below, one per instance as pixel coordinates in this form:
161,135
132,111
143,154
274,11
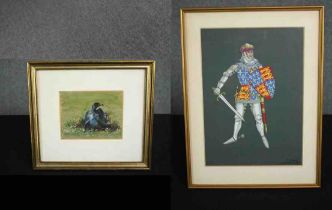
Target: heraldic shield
264,82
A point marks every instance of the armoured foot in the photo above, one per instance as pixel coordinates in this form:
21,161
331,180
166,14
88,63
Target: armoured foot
230,141
265,142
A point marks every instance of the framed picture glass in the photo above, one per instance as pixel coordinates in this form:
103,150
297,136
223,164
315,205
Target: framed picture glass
91,114
252,80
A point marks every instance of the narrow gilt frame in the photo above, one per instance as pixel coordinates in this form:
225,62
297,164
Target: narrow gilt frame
149,68
320,9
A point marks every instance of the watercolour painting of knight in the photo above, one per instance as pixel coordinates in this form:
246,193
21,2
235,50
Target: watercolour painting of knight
253,114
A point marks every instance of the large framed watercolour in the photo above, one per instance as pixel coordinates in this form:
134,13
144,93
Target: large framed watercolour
252,80
91,114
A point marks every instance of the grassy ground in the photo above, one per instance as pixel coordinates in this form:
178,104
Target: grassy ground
74,104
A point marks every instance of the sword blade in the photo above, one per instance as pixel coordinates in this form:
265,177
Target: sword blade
230,106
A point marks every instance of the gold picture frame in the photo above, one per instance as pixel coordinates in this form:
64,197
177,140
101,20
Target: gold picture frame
145,70
199,175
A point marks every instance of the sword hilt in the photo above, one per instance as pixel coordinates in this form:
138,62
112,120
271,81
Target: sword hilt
223,93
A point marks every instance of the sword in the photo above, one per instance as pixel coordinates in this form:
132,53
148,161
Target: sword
229,105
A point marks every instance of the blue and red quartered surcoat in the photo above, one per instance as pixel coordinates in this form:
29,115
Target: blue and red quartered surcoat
255,81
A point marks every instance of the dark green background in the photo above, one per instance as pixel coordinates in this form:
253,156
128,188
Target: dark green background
282,49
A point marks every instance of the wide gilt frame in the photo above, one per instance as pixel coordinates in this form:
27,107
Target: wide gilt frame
149,68
320,9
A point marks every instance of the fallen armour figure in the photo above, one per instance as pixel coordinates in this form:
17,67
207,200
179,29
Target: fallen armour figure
96,118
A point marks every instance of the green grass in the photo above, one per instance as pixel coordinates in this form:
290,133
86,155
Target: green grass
74,104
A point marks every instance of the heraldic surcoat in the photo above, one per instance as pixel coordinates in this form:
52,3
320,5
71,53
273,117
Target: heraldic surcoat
255,81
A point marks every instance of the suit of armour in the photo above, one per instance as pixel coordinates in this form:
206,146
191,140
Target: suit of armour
256,82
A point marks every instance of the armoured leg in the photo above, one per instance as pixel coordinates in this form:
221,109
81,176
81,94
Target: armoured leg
240,107
256,111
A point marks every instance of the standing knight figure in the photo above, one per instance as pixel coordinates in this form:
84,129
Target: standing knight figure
257,83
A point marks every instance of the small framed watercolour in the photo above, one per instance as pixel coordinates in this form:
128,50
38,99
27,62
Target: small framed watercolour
91,114
252,80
